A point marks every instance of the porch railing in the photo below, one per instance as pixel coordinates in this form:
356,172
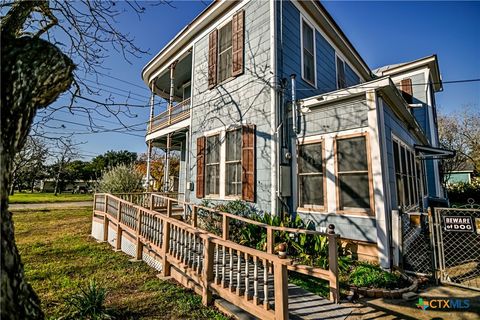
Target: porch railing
254,280
177,113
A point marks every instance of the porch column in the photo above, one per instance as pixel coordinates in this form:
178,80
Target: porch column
166,168
149,146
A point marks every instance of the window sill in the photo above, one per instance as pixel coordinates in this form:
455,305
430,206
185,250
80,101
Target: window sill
357,212
224,82
226,198
312,210
312,84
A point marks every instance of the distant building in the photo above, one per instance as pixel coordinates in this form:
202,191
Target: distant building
463,174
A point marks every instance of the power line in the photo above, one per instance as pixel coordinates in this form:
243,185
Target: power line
124,81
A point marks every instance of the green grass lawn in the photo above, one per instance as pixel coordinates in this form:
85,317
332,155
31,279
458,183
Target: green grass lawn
48,197
59,257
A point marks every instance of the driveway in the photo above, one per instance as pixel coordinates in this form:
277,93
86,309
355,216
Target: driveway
51,205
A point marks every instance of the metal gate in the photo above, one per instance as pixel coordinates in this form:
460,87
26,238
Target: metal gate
417,253
456,239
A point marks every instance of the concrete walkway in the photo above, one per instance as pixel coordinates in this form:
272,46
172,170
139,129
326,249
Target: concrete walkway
49,205
400,309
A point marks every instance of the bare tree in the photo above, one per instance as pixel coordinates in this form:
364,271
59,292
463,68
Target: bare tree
46,45
67,152
28,162
460,132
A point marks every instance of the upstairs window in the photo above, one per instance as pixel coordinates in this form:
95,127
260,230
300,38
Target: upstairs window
308,54
225,51
212,165
353,177
311,176
233,163
341,82
406,88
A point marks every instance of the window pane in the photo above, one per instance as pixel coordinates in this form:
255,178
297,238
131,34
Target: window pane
354,191
400,191
225,37
310,158
225,52
311,190
307,37
213,149
352,154
340,74
233,184
396,157
308,67
212,181
403,160
234,145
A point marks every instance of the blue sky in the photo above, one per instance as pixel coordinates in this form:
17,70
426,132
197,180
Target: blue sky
382,32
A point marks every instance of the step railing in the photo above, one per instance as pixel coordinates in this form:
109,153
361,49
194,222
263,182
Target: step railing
252,279
329,274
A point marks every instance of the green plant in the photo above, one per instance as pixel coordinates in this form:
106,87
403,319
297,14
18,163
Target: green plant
88,303
121,179
208,220
371,275
461,192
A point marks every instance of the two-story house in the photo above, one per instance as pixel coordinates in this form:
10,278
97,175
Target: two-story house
336,143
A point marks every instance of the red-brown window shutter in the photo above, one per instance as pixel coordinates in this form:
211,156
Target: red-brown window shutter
212,59
407,90
237,42
248,163
200,167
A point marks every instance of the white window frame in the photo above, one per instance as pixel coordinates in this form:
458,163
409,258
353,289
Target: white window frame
303,19
416,180
222,132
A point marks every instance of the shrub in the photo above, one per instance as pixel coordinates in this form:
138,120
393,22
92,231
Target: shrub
88,303
121,179
459,193
370,275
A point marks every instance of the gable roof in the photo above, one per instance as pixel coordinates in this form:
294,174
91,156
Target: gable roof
430,61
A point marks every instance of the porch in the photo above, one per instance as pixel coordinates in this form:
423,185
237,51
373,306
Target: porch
165,233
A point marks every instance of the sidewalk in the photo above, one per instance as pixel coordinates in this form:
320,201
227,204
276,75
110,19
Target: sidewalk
400,309
49,205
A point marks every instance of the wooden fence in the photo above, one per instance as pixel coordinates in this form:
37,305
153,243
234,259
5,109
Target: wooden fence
254,280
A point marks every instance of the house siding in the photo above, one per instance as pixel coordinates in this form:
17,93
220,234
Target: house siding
290,55
338,117
344,115
241,100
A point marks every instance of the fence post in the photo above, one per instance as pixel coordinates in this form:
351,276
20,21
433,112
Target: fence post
165,248
270,240
151,201
105,219
225,227
118,243
207,271
333,264
280,279
169,208
194,216
139,251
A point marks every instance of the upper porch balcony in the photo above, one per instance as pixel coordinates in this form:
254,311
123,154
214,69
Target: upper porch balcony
173,85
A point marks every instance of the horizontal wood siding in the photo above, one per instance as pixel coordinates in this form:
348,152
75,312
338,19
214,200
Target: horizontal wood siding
290,60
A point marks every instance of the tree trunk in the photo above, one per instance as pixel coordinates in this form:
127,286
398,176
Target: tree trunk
34,72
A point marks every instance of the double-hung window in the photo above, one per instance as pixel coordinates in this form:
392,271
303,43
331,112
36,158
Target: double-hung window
212,165
225,52
311,176
226,164
233,163
354,188
308,53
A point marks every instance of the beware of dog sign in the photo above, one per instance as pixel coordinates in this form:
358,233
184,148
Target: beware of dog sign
458,223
